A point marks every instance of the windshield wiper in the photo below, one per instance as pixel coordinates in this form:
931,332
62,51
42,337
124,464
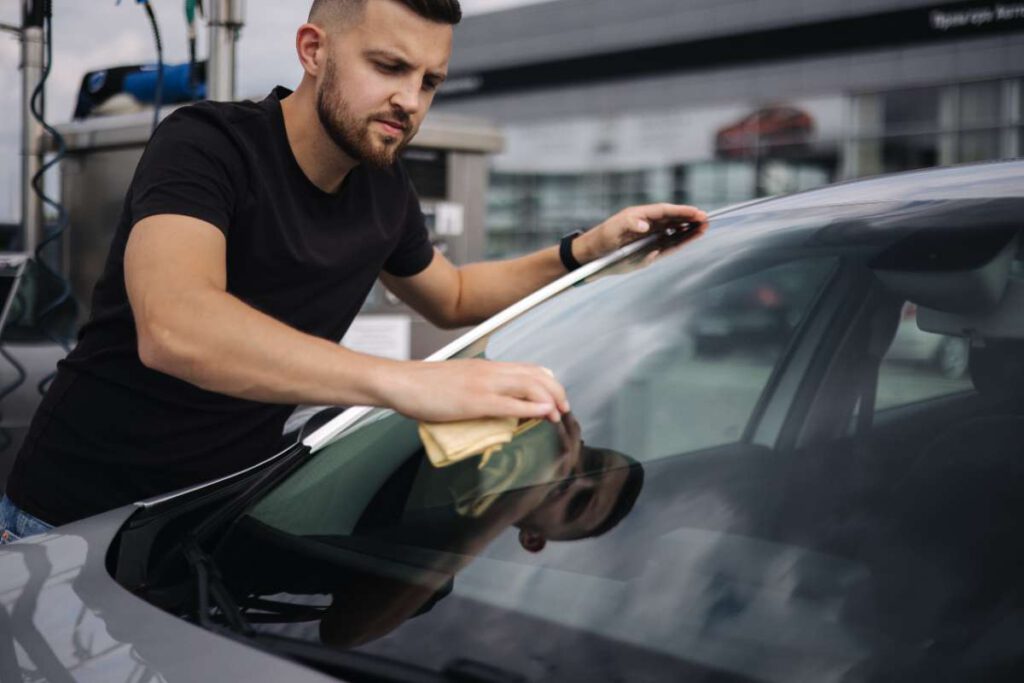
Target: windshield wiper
139,571
357,667
210,586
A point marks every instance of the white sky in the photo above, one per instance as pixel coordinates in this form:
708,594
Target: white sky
95,34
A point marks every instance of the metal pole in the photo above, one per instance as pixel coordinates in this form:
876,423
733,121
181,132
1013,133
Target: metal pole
33,51
226,20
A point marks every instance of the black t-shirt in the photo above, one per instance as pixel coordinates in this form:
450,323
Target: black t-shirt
111,431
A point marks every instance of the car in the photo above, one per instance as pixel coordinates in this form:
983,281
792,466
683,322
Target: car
795,508
764,310
778,126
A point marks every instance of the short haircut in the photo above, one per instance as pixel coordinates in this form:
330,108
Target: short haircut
627,496
441,11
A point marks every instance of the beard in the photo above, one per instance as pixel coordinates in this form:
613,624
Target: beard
353,135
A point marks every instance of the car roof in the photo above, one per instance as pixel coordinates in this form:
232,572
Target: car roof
994,180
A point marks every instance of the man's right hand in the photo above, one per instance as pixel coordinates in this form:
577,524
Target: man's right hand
467,389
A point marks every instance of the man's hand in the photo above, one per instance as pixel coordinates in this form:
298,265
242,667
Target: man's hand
633,223
467,389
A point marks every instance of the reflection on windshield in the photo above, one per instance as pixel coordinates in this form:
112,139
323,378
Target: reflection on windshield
665,359
397,552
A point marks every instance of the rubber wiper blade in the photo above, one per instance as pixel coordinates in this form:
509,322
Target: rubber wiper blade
209,586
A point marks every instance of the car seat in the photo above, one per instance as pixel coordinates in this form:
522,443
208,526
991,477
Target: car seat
947,563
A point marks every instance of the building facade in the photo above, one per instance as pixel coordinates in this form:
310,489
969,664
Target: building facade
607,103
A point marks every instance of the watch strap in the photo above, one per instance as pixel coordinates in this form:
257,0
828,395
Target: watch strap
565,251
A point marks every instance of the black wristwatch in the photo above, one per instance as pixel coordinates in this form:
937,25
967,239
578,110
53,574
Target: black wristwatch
565,251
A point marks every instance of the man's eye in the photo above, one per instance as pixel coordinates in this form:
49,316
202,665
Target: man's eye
389,68
577,505
430,86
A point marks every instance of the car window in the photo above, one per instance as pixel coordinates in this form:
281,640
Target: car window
651,368
921,365
656,375
660,360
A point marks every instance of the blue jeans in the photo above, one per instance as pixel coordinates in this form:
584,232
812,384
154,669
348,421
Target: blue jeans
15,524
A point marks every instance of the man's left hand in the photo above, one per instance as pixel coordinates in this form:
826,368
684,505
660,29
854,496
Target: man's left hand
633,223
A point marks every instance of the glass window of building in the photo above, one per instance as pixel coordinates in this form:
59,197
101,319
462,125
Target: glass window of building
717,183
910,110
909,151
960,123
526,212
981,104
979,145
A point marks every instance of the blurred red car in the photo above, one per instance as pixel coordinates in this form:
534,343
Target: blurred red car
767,127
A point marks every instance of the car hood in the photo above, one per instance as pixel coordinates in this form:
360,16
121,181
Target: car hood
64,618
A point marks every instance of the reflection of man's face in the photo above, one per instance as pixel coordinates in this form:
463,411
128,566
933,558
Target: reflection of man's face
579,503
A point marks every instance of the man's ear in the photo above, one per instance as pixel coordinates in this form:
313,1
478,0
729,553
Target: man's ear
531,541
310,42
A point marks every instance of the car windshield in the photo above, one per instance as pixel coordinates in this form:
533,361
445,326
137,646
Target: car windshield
743,486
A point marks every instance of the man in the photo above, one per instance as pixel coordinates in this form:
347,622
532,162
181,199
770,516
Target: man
250,237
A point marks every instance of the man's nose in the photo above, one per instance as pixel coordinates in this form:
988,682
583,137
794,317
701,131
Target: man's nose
583,481
407,97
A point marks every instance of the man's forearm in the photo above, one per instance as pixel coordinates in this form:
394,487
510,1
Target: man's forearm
188,326
217,342
493,286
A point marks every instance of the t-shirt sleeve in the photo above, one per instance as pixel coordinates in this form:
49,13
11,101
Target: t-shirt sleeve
414,251
191,167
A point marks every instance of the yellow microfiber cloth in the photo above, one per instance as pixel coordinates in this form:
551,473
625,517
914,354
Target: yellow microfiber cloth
447,443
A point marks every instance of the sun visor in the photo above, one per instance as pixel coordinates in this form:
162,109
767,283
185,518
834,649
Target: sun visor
1004,322
962,271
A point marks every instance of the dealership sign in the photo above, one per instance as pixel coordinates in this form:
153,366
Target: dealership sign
975,17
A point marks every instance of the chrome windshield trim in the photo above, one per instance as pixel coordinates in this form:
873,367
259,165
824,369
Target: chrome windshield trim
327,433
163,498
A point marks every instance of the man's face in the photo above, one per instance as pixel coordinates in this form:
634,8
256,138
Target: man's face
379,80
582,501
